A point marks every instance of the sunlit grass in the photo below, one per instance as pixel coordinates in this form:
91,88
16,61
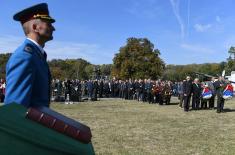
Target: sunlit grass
131,127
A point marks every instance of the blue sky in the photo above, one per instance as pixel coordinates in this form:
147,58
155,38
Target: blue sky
185,31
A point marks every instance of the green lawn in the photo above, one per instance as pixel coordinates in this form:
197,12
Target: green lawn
131,127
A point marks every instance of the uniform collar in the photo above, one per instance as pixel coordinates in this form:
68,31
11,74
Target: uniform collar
40,47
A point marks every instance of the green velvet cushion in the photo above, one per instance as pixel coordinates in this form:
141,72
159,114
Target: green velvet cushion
20,136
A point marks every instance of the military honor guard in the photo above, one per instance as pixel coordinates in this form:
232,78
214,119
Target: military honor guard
27,73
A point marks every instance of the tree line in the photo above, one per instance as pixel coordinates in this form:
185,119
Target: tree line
138,58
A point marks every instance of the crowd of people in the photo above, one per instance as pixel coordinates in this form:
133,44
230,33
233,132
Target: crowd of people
141,90
191,93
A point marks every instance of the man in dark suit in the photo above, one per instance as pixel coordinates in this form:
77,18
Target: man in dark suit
212,88
219,88
27,72
90,87
187,90
196,90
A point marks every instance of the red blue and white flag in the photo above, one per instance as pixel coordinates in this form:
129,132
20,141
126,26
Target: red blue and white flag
228,92
206,93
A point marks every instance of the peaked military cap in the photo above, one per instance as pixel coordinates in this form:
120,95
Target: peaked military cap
39,11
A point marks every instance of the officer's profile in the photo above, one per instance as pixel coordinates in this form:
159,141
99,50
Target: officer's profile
27,73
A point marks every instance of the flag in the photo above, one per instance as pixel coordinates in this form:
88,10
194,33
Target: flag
228,92
206,93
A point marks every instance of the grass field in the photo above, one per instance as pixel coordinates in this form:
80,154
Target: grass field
136,128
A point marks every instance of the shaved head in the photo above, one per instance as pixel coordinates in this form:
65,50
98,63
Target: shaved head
28,26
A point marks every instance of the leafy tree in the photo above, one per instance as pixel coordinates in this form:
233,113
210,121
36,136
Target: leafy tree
231,51
69,68
230,66
179,72
78,68
231,60
138,59
90,71
105,70
222,66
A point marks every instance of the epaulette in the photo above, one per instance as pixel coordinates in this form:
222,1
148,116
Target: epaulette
28,48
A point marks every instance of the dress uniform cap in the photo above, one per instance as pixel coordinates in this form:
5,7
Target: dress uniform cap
39,11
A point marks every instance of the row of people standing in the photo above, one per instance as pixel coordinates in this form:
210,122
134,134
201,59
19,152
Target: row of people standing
151,91
142,90
194,90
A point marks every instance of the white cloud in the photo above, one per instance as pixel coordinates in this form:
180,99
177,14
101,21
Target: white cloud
201,27
175,6
93,53
9,43
199,49
70,50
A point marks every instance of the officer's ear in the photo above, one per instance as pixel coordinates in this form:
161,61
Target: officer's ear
35,27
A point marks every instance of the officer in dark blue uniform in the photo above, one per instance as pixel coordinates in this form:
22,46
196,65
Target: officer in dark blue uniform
27,72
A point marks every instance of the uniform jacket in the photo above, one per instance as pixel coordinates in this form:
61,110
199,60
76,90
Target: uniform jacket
28,77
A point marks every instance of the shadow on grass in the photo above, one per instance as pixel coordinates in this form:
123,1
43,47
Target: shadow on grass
229,110
172,103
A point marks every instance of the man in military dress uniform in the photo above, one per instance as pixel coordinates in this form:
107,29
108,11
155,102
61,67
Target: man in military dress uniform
27,72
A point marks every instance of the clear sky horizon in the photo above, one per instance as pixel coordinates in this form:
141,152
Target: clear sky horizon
185,31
